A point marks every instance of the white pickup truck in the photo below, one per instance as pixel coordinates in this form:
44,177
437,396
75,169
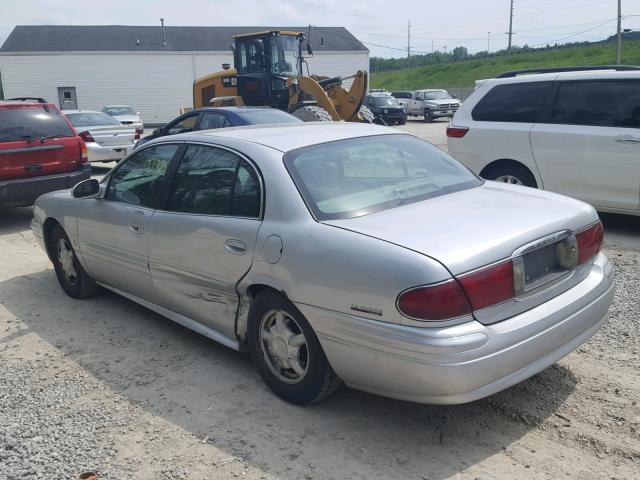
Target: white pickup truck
432,104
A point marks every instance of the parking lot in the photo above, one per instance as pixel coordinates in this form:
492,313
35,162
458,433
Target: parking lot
106,385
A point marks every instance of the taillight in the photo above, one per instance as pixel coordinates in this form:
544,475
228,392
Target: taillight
84,157
86,136
589,242
490,285
434,302
457,132
136,136
139,131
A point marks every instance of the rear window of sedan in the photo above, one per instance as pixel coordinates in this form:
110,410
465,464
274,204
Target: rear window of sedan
90,119
358,176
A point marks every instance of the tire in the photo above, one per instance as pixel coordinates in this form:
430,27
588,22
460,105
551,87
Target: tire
428,116
513,174
367,115
312,113
402,122
73,279
299,374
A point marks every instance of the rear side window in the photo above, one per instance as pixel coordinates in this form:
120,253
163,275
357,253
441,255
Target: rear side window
32,122
600,103
516,102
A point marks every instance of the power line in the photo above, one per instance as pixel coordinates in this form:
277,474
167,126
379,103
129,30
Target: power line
574,34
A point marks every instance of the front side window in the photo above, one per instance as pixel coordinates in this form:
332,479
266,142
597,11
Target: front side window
138,180
214,181
25,123
213,120
598,103
514,102
358,176
184,125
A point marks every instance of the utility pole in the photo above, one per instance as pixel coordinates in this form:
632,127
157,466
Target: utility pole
409,44
432,47
619,56
488,37
511,25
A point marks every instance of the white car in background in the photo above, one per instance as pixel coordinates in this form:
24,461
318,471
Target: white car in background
126,115
107,139
574,131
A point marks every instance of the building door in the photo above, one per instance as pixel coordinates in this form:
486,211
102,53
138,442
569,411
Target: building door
67,98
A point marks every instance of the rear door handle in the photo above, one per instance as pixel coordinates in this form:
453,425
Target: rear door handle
236,247
628,140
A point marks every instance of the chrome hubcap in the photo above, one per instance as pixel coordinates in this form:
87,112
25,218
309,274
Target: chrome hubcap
65,257
509,179
284,346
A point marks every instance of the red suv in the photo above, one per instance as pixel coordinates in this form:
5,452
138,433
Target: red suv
39,151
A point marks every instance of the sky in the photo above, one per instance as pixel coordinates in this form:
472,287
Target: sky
381,25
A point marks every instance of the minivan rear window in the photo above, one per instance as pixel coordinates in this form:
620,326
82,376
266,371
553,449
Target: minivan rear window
514,102
358,176
24,123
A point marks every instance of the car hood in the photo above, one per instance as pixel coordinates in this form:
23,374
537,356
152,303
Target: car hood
475,227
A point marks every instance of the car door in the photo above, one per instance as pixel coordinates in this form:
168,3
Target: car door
201,242
113,230
211,120
415,105
588,146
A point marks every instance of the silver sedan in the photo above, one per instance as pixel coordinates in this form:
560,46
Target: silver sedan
339,252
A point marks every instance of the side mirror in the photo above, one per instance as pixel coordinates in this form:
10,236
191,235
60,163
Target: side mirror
454,96
86,188
157,132
309,50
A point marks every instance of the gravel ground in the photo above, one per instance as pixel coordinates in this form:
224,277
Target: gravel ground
107,386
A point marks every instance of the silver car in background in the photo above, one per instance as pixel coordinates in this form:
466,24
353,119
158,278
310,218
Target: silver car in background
106,138
126,116
339,252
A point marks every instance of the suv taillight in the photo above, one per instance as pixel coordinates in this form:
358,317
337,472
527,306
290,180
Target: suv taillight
84,157
457,132
86,136
589,242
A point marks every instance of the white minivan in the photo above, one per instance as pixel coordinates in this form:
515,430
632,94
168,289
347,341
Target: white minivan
575,132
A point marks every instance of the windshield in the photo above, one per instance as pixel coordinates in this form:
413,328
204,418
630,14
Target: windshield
385,102
284,55
270,115
113,111
359,176
87,119
436,95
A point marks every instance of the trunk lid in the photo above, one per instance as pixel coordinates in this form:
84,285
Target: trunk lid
111,135
475,227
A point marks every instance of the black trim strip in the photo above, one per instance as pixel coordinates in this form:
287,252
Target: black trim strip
31,149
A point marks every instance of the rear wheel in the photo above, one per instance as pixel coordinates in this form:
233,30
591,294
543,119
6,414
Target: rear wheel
512,174
287,352
73,279
312,113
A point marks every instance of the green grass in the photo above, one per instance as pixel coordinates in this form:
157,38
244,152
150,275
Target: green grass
464,74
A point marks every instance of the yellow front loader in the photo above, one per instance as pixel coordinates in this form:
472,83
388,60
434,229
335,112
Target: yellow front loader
268,71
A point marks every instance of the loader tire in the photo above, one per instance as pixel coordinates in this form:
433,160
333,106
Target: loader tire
367,115
312,113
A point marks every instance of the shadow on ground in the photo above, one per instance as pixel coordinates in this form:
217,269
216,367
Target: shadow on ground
210,390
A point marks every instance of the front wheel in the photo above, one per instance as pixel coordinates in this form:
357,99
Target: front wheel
287,352
428,116
72,278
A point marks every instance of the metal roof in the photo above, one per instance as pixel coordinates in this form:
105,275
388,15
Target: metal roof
121,38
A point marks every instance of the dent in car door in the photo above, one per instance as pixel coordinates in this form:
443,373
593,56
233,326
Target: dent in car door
113,230
590,147
202,243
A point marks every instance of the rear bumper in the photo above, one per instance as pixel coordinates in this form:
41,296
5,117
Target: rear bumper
24,191
99,153
466,362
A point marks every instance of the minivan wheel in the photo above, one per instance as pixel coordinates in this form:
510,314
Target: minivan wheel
512,174
72,278
287,352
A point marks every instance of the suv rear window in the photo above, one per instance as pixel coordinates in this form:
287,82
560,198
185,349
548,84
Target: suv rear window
605,103
514,102
23,123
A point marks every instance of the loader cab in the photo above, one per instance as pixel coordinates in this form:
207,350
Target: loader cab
264,61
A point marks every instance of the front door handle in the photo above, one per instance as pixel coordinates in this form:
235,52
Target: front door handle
135,228
628,140
236,247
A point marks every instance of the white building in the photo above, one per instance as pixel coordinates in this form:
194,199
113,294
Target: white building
142,66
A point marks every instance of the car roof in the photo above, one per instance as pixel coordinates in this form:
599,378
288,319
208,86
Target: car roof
24,104
289,136
565,76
